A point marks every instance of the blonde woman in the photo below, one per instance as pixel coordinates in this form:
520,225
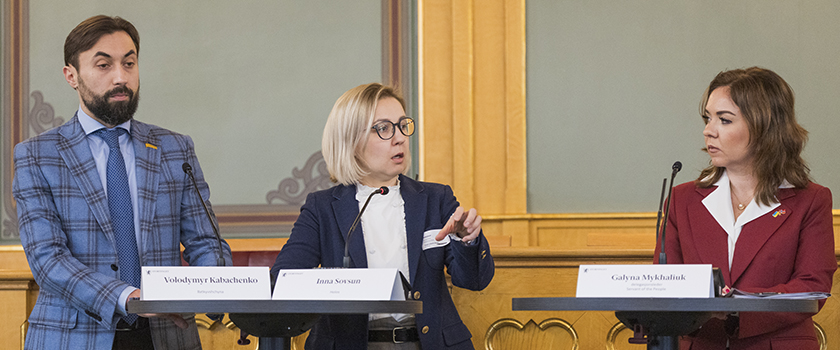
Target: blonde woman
417,227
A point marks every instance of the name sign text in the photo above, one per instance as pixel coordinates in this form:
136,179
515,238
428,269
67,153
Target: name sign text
645,281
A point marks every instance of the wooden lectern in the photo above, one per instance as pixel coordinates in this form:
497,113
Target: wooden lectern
274,321
663,320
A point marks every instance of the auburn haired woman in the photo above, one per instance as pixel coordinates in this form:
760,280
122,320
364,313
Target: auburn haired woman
754,212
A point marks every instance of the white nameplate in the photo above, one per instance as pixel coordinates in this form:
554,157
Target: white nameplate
205,283
645,281
339,284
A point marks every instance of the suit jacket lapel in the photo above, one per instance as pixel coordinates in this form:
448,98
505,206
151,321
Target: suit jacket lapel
755,233
75,152
147,170
345,208
415,221
708,238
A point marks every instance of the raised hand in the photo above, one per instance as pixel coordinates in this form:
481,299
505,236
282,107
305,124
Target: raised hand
467,225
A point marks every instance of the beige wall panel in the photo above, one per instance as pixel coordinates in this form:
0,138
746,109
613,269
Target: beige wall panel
436,94
829,317
494,228
13,258
577,235
15,314
475,52
511,226
463,111
489,118
516,189
16,301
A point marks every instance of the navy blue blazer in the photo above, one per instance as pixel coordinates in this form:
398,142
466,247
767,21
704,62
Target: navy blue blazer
318,238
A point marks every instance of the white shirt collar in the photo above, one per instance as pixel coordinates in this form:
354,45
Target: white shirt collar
719,204
363,191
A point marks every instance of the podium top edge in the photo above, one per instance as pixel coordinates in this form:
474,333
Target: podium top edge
665,304
275,306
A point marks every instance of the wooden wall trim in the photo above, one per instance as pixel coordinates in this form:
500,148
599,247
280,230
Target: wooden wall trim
582,231
472,101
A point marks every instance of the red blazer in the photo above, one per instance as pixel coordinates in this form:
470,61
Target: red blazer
792,251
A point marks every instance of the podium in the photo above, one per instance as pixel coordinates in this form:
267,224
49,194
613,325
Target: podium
664,319
276,321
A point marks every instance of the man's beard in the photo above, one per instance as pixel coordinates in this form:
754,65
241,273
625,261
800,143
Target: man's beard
110,113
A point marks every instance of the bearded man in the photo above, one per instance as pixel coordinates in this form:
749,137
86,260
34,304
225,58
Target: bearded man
102,195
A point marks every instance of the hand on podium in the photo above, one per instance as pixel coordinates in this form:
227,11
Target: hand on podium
175,318
466,225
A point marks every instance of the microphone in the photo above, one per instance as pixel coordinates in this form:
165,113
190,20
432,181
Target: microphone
674,170
383,191
220,260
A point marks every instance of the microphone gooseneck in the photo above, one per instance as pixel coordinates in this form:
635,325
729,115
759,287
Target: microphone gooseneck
674,170
659,213
383,191
220,260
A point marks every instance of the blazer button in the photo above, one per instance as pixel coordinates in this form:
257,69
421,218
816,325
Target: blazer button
425,329
114,267
416,295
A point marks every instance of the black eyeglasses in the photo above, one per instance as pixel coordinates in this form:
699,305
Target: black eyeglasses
386,129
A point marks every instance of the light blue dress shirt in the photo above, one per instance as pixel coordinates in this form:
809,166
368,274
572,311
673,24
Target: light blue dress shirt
100,151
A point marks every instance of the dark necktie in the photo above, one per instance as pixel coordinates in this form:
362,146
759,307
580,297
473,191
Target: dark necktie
122,214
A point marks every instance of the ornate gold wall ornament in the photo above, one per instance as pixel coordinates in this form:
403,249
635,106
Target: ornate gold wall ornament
613,334
531,341
821,336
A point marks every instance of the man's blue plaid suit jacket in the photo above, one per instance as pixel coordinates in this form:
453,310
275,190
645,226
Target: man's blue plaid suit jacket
68,238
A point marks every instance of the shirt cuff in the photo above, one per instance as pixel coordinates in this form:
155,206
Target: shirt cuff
123,298
455,237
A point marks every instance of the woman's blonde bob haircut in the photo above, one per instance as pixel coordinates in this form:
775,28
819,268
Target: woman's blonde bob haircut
347,130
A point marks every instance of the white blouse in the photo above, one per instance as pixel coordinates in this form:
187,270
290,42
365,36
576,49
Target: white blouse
719,204
383,225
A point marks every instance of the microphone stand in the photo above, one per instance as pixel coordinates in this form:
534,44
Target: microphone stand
662,259
346,262
674,170
220,259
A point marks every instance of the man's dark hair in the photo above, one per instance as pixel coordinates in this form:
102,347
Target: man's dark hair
87,33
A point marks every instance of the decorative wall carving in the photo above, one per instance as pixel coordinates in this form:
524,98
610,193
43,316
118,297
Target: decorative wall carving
612,335
40,118
313,177
10,226
821,336
530,335
42,115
